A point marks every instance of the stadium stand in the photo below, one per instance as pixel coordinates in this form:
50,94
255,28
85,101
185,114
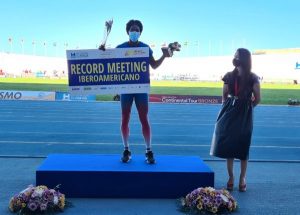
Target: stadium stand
270,66
17,65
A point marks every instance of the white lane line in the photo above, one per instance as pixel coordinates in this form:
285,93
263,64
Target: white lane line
135,144
87,117
138,134
152,123
40,110
64,133
88,121
94,133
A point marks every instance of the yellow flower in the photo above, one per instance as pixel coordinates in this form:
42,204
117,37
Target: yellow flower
62,202
27,193
63,198
212,194
234,205
211,189
23,205
18,202
14,204
200,206
43,187
61,205
214,210
226,193
11,205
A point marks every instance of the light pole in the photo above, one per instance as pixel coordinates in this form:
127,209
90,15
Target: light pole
45,48
10,43
66,46
22,45
221,48
33,47
55,45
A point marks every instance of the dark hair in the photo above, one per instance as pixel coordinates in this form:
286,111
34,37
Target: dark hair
243,58
134,22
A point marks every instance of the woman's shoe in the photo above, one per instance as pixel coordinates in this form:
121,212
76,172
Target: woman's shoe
229,186
242,187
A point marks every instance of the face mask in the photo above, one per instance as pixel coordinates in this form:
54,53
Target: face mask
134,36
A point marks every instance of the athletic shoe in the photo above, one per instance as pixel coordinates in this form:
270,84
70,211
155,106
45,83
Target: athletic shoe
150,157
126,156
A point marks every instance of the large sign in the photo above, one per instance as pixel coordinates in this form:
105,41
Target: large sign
114,71
27,95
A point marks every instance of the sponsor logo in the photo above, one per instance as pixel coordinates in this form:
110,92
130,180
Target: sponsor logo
79,54
134,52
41,95
186,99
75,88
66,97
10,95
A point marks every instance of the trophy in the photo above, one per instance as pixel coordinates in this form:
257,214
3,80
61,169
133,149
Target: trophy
107,29
168,51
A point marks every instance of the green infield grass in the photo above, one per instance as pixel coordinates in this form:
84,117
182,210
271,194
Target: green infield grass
272,93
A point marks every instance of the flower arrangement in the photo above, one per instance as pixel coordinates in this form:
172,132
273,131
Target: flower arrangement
208,200
37,200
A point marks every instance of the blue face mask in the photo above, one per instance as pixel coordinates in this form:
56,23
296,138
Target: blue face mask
134,36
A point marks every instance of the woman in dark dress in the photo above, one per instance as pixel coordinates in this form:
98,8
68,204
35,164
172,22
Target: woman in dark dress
233,130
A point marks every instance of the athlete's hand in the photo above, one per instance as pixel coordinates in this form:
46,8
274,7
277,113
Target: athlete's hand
102,47
167,52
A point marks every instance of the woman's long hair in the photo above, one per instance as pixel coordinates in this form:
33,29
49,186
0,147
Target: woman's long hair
242,58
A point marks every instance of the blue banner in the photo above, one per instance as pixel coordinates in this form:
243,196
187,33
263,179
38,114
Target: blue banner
65,96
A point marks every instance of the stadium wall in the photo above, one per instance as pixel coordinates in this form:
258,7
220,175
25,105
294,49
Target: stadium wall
270,67
16,65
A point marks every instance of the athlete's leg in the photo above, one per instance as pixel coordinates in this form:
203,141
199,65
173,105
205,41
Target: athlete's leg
141,102
126,104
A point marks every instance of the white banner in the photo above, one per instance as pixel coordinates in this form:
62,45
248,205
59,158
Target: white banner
27,95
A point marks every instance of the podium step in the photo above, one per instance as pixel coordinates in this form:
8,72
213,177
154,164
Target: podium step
105,176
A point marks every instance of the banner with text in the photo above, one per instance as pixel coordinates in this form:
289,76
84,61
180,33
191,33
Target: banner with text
27,95
113,71
185,99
